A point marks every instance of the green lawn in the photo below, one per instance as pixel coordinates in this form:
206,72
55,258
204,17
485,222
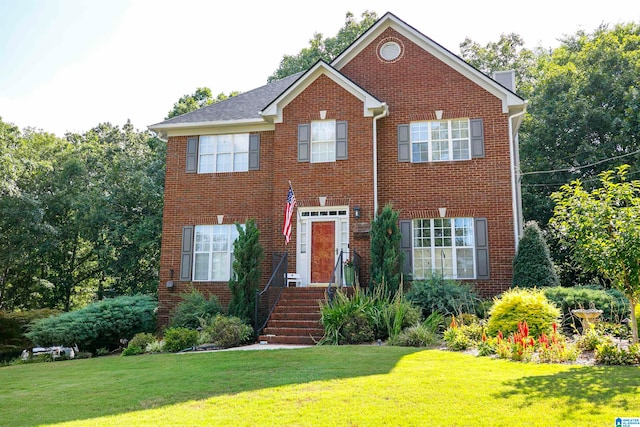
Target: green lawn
321,386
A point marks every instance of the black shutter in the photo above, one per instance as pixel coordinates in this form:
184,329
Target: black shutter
406,248
477,138
304,139
186,258
192,154
404,144
482,248
341,141
254,152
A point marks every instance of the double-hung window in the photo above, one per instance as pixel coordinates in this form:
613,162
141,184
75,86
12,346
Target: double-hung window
323,141
213,252
223,153
440,140
443,245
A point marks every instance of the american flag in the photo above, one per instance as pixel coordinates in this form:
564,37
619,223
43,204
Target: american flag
288,214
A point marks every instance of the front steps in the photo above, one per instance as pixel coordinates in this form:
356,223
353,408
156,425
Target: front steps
296,317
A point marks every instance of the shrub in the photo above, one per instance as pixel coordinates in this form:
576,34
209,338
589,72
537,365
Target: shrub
101,324
247,256
612,302
456,339
138,344
226,332
444,296
522,305
419,335
156,346
12,330
178,339
532,266
339,316
386,257
590,339
193,307
608,353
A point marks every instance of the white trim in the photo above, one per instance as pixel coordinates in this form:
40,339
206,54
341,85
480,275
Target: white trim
273,111
389,20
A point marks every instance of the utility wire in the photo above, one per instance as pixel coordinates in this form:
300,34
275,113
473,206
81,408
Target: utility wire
574,168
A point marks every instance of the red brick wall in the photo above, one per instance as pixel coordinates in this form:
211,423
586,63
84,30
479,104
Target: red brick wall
413,87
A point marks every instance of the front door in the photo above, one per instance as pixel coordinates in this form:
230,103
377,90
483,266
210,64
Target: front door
323,236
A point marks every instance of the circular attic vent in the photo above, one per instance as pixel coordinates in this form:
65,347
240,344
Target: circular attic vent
390,50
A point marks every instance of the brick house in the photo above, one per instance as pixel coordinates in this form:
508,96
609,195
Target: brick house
396,118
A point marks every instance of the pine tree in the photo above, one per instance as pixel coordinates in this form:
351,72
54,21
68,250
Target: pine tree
532,265
248,254
386,257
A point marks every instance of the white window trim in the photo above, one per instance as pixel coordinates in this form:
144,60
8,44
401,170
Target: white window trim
312,142
429,141
215,153
226,275
435,249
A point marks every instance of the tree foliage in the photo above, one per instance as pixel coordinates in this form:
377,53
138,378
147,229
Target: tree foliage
584,109
247,254
200,98
602,228
80,217
386,257
508,53
324,48
532,265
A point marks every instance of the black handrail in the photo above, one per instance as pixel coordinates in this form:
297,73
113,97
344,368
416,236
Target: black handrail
267,299
336,277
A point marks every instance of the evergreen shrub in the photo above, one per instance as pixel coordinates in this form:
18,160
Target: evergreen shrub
612,302
522,305
178,339
443,296
226,332
98,325
532,265
193,309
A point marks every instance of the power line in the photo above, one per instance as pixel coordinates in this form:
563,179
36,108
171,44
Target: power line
575,168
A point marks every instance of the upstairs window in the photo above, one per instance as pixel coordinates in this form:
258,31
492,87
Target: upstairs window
323,141
440,140
223,153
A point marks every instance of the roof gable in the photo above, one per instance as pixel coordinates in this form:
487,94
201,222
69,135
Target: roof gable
510,101
273,111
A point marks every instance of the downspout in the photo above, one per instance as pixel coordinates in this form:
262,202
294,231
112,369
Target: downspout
515,178
384,113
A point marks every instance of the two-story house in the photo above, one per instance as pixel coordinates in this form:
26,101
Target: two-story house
396,118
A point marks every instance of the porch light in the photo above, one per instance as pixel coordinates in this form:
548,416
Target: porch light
170,282
356,212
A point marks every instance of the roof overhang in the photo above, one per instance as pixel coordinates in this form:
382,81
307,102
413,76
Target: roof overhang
508,98
211,128
273,112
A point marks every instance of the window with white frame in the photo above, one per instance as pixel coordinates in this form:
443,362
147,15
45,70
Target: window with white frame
440,140
443,245
323,141
223,153
213,252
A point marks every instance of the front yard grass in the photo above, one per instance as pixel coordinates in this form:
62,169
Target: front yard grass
316,386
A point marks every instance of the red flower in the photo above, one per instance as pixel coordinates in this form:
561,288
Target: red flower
555,328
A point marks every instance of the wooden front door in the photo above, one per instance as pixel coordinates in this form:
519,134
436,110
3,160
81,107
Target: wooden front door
323,237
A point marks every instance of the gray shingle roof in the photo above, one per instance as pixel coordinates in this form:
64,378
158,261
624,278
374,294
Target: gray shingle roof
244,106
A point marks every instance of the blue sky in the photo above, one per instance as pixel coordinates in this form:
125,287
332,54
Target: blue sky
68,65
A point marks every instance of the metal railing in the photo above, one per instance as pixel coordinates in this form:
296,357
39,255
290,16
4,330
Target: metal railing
267,299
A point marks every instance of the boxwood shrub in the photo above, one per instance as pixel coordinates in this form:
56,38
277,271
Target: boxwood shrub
98,325
612,302
519,305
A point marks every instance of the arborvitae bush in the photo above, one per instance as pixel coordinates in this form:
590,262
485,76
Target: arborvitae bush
247,254
386,257
193,308
519,305
98,325
532,265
